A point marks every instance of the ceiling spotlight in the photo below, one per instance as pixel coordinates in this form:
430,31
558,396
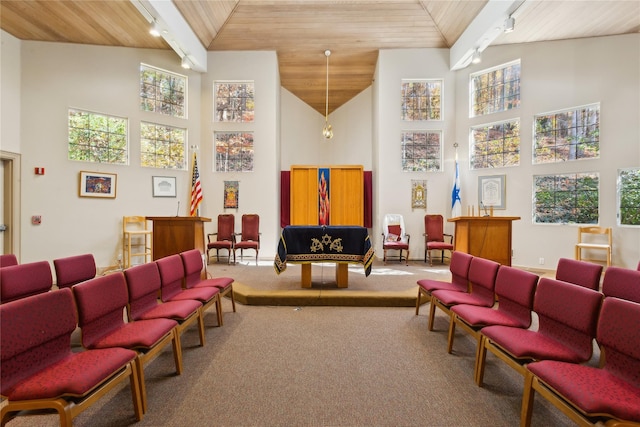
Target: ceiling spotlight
186,64
509,24
475,58
155,29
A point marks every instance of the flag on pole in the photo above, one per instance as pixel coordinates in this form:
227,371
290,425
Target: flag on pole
456,202
196,189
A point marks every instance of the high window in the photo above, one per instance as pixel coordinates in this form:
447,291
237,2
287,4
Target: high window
496,145
97,138
495,90
567,135
421,151
233,151
162,146
162,91
421,100
234,102
629,196
566,198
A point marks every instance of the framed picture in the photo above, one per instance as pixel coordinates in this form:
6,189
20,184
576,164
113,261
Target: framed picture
418,194
98,184
164,186
492,191
231,194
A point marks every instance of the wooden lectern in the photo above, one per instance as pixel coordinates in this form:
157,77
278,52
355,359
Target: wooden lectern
487,237
175,234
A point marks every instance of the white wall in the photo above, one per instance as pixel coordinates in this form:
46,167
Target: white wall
53,77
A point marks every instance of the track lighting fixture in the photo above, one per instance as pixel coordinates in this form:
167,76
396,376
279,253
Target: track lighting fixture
509,24
186,63
475,58
155,29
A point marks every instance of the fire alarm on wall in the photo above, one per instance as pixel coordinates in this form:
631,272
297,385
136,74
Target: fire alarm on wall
39,171
36,219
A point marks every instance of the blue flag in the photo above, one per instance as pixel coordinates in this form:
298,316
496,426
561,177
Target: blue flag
456,202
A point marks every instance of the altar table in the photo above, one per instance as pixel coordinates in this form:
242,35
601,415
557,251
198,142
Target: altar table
301,244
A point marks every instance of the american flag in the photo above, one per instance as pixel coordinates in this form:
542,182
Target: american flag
196,189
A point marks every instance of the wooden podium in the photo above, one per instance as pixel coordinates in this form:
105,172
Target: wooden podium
484,236
175,234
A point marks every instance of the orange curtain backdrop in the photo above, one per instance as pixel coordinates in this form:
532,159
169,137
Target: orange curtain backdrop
285,198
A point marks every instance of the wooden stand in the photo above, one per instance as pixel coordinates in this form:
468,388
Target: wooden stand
342,275
175,234
488,237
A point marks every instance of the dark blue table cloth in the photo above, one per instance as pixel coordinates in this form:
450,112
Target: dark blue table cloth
306,244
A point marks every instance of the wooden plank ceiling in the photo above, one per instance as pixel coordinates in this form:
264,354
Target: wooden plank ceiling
300,31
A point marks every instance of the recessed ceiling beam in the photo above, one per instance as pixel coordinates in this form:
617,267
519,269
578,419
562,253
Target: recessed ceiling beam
175,30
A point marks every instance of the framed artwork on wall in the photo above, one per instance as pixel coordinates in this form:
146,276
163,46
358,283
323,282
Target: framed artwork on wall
98,184
418,194
492,191
164,186
231,196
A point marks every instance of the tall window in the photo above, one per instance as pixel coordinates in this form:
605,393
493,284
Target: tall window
495,90
567,135
162,91
422,100
421,151
496,145
98,138
566,198
629,196
234,151
162,146
234,102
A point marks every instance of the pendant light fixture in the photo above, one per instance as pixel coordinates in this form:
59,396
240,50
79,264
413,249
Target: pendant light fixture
327,131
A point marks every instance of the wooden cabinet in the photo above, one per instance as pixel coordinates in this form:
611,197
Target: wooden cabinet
484,236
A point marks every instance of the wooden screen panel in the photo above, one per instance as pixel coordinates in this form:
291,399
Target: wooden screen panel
347,195
304,195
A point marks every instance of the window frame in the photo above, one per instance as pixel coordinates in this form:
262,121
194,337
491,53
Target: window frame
227,169
473,90
157,86
554,207
472,144
251,99
157,141
93,145
619,194
404,100
426,159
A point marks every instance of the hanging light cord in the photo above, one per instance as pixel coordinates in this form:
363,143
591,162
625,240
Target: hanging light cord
327,132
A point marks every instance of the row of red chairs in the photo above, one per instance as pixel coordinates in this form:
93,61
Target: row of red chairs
39,370
570,316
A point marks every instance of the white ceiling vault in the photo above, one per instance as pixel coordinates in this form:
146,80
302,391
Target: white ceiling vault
299,31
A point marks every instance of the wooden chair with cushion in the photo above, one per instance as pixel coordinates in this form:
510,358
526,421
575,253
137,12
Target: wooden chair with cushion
581,273
592,238
143,282
609,395
74,269
40,372
459,268
434,237
515,289
224,238
394,236
250,235
567,318
172,280
482,282
23,280
7,260
622,283
193,270
101,303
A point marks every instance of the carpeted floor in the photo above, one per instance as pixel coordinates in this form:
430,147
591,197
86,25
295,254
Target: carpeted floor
320,366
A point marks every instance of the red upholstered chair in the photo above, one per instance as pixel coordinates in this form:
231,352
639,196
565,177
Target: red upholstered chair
7,260
589,395
143,282
434,237
193,268
250,235
39,371
395,236
622,283
567,319
23,280
459,268
638,267
515,289
172,279
101,306
74,269
581,273
224,238
482,281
